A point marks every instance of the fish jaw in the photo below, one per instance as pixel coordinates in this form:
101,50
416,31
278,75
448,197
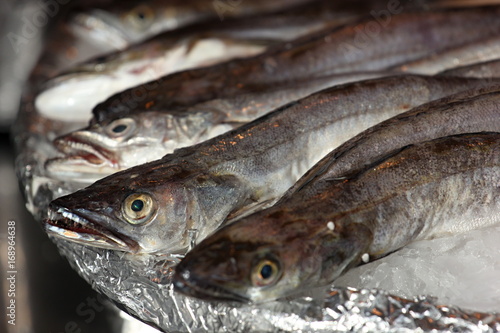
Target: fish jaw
82,156
79,229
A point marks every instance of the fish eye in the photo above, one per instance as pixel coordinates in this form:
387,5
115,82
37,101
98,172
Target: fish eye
141,16
138,208
266,272
121,127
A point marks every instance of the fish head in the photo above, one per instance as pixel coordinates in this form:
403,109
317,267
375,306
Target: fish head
129,22
113,145
140,210
255,260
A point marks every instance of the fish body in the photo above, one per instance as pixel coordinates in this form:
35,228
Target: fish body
116,144
465,112
152,207
421,191
406,37
486,70
463,55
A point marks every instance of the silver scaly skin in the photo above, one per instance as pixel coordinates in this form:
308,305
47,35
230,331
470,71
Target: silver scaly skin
465,112
486,70
421,191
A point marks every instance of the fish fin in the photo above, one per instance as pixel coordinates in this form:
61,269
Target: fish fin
247,210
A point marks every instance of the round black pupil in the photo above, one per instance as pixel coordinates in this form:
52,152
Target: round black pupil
266,272
137,205
141,15
119,128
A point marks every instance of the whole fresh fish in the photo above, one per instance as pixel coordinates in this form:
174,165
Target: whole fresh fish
87,84
116,144
400,39
110,146
132,21
422,191
486,70
155,207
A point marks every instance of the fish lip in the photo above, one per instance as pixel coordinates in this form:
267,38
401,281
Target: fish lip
204,290
63,223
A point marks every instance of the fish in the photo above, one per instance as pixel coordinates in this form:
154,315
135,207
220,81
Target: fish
103,148
402,38
129,22
421,191
164,205
485,70
100,149
84,85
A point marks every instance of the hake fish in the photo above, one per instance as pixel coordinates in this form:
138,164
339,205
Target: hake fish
421,191
117,144
402,38
153,207
86,84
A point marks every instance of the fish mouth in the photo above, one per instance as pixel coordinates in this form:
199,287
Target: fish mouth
192,286
73,227
81,156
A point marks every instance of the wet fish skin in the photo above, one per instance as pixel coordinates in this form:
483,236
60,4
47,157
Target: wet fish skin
199,187
486,70
421,191
307,57
472,53
469,111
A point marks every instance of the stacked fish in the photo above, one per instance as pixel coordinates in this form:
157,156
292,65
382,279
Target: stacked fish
278,144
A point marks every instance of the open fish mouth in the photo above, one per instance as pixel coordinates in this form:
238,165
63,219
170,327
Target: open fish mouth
81,157
73,227
189,285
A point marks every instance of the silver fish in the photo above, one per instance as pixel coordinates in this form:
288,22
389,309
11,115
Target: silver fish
401,39
153,207
485,70
422,191
116,144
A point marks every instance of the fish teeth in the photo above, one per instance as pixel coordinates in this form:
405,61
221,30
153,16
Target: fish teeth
71,216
